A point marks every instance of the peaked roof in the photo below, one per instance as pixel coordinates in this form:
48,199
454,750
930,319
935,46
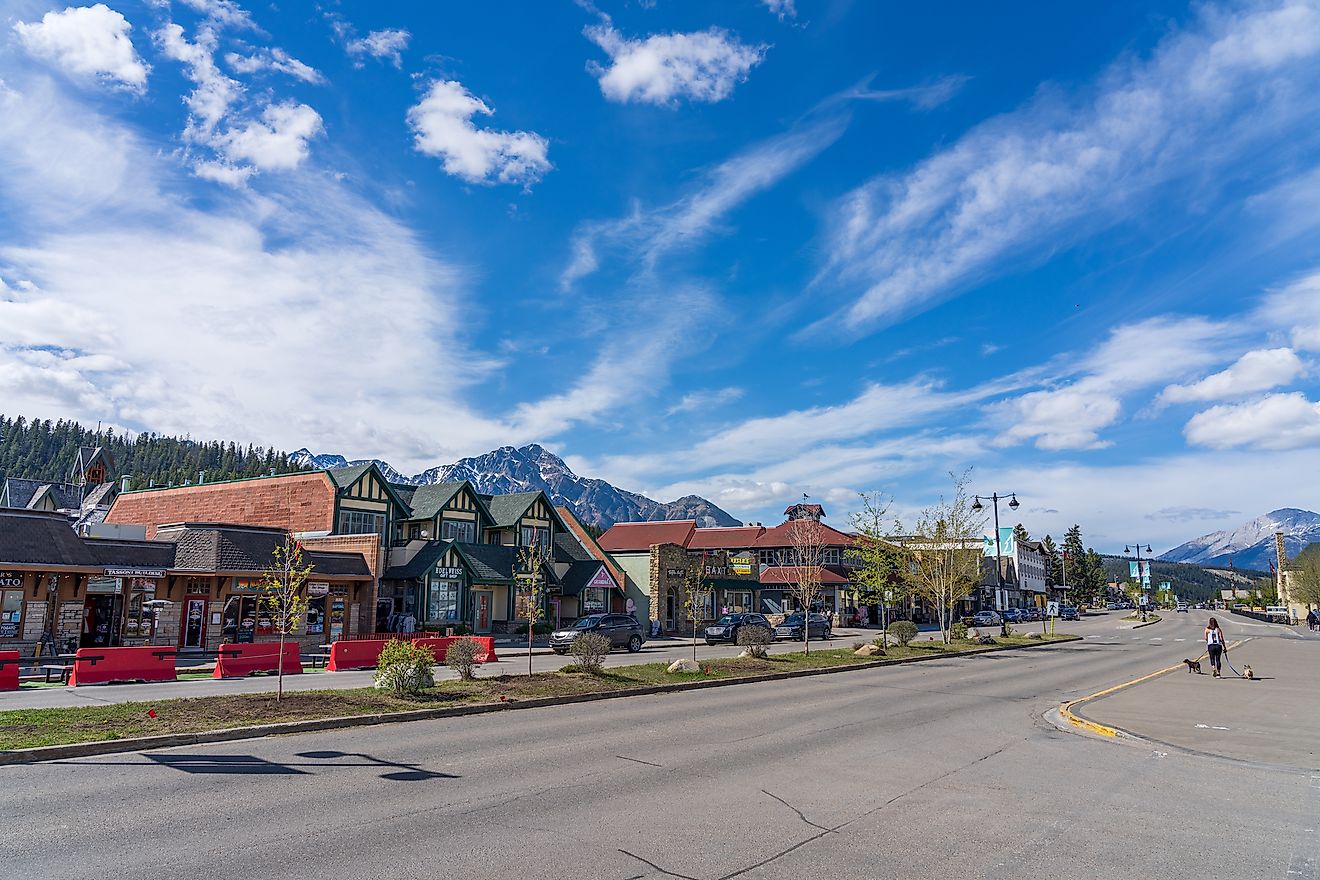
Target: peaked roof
427,501
346,476
25,493
579,574
490,563
505,510
421,562
637,536
588,545
228,547
782,535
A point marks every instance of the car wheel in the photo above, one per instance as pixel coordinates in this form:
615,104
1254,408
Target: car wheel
635,644
560,651
825,636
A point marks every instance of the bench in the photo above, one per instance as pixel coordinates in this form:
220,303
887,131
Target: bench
318,659
51,668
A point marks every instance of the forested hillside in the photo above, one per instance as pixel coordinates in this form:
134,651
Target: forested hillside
1192,583
45,450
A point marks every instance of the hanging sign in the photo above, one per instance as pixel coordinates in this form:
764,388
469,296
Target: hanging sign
318,588
602,579
135,572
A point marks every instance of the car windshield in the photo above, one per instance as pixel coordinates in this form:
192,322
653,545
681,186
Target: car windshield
727,620
792,620
586,623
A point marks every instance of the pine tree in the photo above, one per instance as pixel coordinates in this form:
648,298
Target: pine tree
1020,534
1053,567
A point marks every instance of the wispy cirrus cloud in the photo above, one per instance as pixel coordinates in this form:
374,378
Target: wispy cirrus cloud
1060,166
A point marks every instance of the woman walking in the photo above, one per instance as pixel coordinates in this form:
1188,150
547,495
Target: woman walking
1214,644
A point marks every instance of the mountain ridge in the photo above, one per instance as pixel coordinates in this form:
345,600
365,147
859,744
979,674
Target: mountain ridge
1251,545
522,469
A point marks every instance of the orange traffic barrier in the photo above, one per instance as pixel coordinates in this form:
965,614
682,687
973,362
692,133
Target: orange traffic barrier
247,658
363,653
100,665
9,670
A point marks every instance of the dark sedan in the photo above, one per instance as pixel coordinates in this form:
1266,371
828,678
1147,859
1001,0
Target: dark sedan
726,628
622,630
791,628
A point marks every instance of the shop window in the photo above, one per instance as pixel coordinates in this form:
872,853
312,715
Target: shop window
829,556
11,613
138,623
535,535
316,615
737,601
458,530
442,601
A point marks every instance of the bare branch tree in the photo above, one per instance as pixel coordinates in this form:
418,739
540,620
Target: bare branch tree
531,590
806,538
946,553
696,597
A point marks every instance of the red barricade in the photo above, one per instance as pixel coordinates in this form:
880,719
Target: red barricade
9,670
363,653
245,659
100,665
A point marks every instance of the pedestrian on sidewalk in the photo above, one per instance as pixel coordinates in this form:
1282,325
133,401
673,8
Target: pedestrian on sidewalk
1214,644
1310,619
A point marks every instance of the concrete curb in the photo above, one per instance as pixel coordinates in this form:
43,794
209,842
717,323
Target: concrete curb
136,744
1149,623
1066,710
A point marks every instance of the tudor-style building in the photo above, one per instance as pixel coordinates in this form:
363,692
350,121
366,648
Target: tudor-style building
84,496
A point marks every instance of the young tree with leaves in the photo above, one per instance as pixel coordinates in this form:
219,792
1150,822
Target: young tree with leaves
283,597
1303,576
877,561
696,597
946,553
531,590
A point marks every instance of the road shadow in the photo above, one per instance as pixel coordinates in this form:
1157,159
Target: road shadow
251,765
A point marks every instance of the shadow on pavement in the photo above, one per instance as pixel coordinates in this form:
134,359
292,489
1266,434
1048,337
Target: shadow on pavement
251,765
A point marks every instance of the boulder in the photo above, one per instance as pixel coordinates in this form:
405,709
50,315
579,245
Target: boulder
973,634
986,640
868,651
684,666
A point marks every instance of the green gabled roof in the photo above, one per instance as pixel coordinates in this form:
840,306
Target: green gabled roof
489,563
428,500
404,491
344,477
505,510
424,560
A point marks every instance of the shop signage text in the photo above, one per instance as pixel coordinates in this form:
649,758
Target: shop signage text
450,574
11,579
675,572
135,572
318,588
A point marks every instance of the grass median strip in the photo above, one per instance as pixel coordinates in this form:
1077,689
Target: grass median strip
31,728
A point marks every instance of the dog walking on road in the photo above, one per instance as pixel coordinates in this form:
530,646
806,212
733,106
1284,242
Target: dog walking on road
1214,645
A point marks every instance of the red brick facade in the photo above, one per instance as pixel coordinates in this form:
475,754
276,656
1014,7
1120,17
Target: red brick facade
297,502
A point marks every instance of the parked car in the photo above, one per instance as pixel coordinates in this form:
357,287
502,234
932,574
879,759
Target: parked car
791,628
1035,613
726,628
1111,606
986,618
623,631
1067,612
1015,615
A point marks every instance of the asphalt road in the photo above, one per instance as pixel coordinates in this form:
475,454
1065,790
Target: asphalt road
938,769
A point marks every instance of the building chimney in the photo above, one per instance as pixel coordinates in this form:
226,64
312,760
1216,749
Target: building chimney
201,477
123,482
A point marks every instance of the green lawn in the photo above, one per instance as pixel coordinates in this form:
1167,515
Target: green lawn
29,728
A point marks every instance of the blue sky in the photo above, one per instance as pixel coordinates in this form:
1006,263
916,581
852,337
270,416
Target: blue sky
747,249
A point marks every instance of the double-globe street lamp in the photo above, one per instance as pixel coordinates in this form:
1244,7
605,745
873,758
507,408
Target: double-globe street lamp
1141,582
994,498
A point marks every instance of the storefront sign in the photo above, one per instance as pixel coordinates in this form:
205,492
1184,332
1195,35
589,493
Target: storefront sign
448,573
247,585
103,585
135,572
11,579
602,579
717,570
741,564
8,630
318,588
675,572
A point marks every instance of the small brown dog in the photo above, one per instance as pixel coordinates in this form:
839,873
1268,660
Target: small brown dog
1193,666
1247,673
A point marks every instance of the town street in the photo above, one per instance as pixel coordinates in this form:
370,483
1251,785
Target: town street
938,769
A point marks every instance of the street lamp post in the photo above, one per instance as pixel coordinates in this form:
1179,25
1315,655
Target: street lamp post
994,498
1141,584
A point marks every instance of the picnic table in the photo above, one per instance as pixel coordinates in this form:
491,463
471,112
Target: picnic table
64,667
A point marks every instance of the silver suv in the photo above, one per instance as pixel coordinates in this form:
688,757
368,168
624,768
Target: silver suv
623,631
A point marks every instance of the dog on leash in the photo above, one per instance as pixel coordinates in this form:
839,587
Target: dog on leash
1247,673
1193,666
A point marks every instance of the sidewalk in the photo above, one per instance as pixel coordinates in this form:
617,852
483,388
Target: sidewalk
1274,720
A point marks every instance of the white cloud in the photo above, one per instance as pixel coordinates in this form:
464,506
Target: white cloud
1258,370
225,13
702,66
387,44
703,401
1057,168
442,127
1296,308
274,139
1275,421
87,41
274,59
1134,356
781,8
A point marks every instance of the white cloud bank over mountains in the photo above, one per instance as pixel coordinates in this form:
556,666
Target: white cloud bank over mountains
87,41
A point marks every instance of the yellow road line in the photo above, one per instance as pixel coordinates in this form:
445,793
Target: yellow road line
1104,730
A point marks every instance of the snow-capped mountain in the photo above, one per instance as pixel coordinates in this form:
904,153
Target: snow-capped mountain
1251,545
528,468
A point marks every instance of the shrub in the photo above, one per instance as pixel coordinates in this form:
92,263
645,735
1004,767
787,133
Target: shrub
958,632
405,668
589,650
462,657
903,631
755,638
